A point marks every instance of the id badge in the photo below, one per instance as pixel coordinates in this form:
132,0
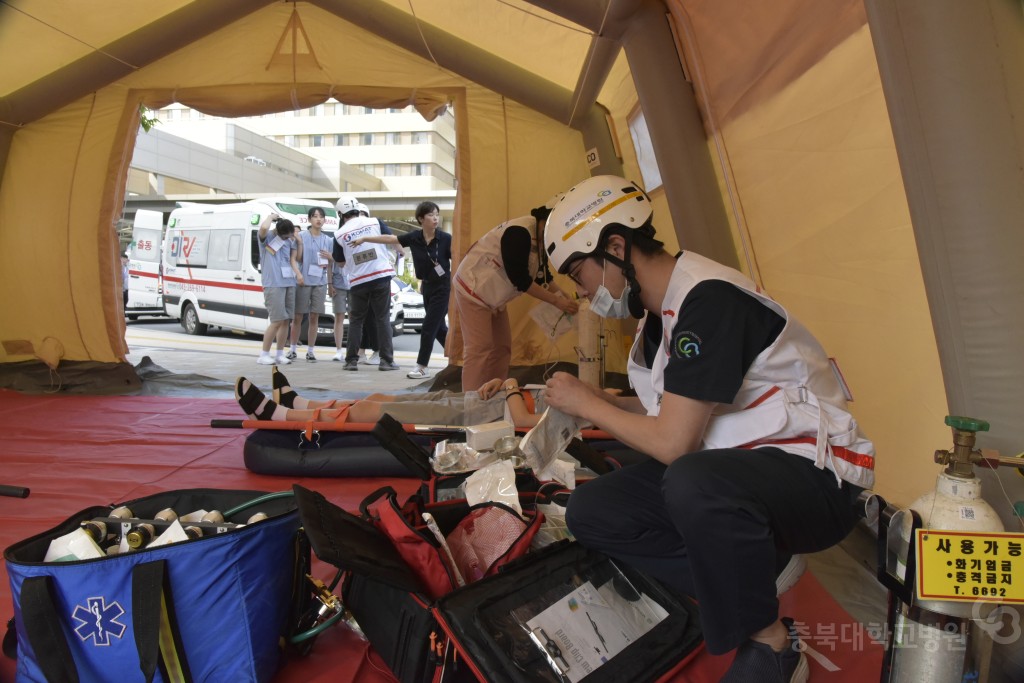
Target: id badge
287,272
314,271
438,269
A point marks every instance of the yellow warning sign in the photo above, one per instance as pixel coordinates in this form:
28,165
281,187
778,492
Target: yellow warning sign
970,566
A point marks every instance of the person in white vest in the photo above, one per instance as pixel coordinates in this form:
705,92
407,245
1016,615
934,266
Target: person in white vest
369,270
754,456
506,262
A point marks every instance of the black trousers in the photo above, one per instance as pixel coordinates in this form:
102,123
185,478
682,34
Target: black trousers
370,304
713,525
435,303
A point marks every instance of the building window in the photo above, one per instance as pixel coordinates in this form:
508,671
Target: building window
340,140
366,139
367,110
420,138
392,138
318,140
390,169
291,140
419,169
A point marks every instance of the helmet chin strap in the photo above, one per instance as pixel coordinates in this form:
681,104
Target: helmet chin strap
636,307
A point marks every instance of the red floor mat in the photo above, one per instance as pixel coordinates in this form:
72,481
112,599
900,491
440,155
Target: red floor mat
77,451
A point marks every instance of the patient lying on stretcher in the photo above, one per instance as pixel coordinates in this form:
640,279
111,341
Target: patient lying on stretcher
486,404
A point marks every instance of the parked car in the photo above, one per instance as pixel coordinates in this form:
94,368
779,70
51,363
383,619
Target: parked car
412,305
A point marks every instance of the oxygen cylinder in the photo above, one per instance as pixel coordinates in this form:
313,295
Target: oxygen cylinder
942,641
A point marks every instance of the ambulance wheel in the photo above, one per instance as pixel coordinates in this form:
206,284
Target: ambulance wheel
190,320
133,317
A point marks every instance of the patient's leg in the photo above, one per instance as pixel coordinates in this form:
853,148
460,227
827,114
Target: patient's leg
257,406
284,395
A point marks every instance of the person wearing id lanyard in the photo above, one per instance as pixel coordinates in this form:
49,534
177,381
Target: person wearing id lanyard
315,260
279,268
432,260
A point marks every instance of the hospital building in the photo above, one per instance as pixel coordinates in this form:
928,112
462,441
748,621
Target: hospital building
391,159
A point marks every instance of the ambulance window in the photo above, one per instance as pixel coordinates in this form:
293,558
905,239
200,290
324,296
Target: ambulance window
226,250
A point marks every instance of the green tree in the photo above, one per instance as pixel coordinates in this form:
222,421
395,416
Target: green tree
146,119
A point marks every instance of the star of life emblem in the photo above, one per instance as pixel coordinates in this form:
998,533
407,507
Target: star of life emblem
99,621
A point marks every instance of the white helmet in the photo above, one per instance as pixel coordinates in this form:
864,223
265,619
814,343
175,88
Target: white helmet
541,213
347,204
581,216
364,210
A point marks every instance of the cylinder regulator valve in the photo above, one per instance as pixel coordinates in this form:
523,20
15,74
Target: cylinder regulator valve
960,461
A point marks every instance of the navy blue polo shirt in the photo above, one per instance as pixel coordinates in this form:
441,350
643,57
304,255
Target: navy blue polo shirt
426,256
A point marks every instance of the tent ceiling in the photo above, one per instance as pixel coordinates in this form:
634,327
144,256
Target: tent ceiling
115,37
63,33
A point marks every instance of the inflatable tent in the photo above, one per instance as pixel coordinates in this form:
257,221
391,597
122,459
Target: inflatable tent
862,161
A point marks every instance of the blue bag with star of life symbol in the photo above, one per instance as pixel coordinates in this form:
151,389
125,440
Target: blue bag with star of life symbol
213,608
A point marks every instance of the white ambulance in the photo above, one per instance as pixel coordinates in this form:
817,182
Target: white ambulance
211,261
145,279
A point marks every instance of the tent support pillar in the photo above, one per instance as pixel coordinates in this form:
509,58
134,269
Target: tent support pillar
677,135
953,78
672,116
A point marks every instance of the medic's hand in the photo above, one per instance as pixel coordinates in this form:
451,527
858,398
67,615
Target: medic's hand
489,388
567,305
568,394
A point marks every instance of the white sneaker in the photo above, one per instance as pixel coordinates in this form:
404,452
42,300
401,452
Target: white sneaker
266,360
790,574
340,355
283,360
372,359
418,373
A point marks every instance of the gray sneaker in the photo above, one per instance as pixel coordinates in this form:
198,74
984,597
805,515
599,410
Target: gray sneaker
759,663
351,365
310,357
291,355
388,365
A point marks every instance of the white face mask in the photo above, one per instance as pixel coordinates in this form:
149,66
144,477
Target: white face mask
605,306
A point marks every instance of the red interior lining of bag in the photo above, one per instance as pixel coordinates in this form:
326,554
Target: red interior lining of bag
74,452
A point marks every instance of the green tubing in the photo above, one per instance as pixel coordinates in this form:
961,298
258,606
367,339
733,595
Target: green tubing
256,501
